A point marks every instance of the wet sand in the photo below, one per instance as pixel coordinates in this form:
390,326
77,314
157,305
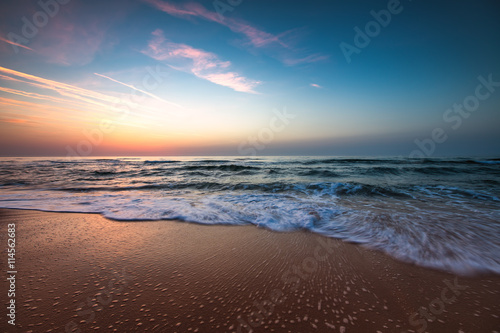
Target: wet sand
84,273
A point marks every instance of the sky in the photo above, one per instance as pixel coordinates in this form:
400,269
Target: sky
241,77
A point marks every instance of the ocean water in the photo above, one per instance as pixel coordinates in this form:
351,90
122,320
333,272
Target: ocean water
439,213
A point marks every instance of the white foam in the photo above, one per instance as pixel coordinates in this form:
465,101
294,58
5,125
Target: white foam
461,241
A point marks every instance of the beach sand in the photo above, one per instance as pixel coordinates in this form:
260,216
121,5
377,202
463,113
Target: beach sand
85,273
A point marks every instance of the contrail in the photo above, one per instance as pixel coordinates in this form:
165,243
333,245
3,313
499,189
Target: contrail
16,44
142,91
107,103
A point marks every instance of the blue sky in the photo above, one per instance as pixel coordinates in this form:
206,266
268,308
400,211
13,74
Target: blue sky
223,71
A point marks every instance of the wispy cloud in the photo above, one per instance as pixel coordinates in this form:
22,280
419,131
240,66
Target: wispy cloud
82,95
29,113
203,64
15,121
317,57
316,85
34,95
78,100
139,90
15,44
257,37
67,42
29,109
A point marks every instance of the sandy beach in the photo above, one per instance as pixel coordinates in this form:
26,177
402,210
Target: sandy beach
83,273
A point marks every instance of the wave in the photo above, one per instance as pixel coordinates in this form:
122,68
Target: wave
337,189
349,160
439,191
106,173
463,242
230,167
492,162
214,161
442,213
160,162
436,170
318,172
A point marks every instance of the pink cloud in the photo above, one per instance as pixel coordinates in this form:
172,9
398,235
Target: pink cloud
78,32
14,43
15,121
316,85
278,45
28,110
67,43
256,36
82,95
171,8
203,64
72,96
309,59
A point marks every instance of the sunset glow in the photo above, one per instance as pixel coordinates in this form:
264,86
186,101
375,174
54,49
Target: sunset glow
184,77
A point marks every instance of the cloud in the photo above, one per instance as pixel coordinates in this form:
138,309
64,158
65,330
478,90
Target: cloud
67,43
276,44
72,97
309,59
142,91
257,37
316,85
15,44
78,32
29,109
15,121
81,95
34,95
203,64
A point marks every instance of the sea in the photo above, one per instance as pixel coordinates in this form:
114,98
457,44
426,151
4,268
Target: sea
442,213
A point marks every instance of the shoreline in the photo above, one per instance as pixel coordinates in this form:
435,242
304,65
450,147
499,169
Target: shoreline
82,271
